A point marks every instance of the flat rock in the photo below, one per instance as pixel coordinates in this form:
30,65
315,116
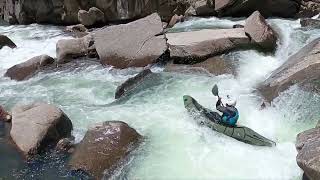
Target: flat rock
136,44
302,68
196,46
38,125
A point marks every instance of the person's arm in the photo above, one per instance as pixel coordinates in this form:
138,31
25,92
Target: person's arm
220,107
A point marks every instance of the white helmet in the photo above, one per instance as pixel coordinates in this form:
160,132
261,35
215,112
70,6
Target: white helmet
231,101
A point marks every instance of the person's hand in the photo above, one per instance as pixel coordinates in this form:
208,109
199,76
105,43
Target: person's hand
219,97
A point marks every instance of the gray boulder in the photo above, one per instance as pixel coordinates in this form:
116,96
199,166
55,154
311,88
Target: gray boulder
38,125
29,68
308,158
260,32
5,41
91,17
196,46
204,8
136,44
103,148
302,68
69,49
215,65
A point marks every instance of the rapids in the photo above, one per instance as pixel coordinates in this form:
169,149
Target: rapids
175,146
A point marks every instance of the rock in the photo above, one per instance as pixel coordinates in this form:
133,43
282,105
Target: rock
260,32
5,41
196,46
309,8
190,11
29,68
65,145
238,26
131,83
36,126
215,65
69,49
174,20
239,8
135,44
204,8
311,23
308,158
104,147
4,115
78,30
302,68
91,17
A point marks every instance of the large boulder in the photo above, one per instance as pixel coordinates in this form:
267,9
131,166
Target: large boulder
69,49
260,32
38,125
29,68
302,68
135,44
215,65
196,46
308,158
103,147
5,41
310,23
204,8
91,17
309,8
238,8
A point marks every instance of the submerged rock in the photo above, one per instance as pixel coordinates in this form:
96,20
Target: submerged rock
196,46
104,147
214,65
308,158
310,23
29,68
135,44
38,125
302,68
5,41
69,49
260,32
238,8
91,17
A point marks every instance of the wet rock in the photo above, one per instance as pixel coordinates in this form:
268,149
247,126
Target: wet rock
196,46
308,158
279,8
260,32
78,31
174,20
4,115
69,49
309,8
238,26
29,68
104,147
38,125
5,41
135,44
91,17
302,68
132,83
65,145
215,65
310,23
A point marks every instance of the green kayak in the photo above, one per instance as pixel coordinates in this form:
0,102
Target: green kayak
240,133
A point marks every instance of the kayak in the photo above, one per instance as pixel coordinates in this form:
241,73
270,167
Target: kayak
210,119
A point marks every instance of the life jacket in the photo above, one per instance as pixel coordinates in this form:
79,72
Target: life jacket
231,116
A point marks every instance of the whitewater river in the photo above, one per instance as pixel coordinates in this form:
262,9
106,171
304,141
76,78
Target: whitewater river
175,146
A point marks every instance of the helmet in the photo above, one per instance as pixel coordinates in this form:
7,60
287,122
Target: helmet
231,101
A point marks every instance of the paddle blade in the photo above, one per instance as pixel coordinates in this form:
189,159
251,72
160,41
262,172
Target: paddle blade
215,90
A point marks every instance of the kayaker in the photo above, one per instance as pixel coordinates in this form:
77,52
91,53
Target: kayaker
230,114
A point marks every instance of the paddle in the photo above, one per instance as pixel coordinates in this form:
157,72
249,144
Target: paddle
215,90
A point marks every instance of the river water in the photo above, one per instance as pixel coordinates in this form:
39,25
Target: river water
175,146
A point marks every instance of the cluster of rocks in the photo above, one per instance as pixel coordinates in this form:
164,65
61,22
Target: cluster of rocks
92,12
105,145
